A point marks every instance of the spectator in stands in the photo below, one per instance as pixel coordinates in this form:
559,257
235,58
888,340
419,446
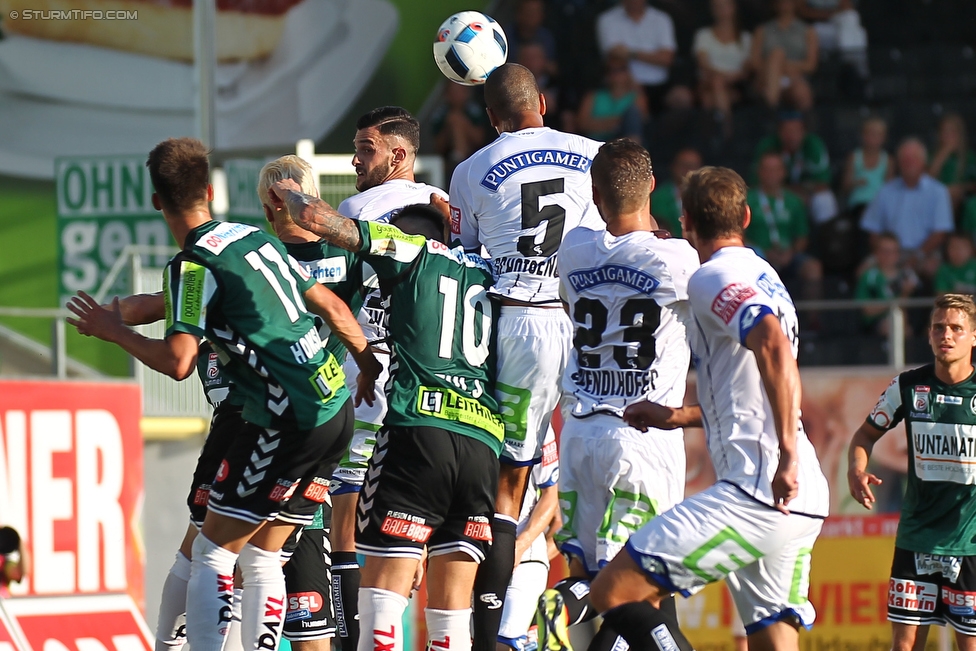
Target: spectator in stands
914,207
954,163
868,167
533,56
722,52
779,228
784,53
459,125
529,27
14,561
666,198
645,37
836,22
807,165
887,277
618,109
957,275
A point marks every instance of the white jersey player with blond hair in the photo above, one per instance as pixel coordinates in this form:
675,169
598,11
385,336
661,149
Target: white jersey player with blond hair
756,526
626,290
517,197
386,143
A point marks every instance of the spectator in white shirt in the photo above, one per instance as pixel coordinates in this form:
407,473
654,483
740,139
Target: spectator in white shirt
645,36
722,51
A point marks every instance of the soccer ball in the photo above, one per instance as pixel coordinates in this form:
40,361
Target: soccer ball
469,46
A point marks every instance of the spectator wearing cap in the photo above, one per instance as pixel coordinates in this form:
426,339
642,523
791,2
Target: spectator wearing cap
914,207
807,164
645,37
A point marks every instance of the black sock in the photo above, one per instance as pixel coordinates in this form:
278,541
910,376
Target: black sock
646,628
605,639
576,596
345,597
491,583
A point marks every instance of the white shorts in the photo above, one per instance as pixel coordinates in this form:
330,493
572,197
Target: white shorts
612,480
722,533
348,475
533,349
522,598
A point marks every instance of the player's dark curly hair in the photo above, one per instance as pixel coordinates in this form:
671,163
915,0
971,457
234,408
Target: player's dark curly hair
423,219
392,120
714,200
180,173
622,174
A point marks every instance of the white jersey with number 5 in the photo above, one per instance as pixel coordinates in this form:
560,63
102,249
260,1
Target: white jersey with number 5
730,294
628,299
518,196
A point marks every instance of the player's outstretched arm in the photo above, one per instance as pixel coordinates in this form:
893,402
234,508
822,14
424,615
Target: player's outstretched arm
781,379
315,215
175,356
859,480
646,415
343,324
140,309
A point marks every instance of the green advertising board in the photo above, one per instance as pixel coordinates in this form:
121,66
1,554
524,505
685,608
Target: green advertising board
104,204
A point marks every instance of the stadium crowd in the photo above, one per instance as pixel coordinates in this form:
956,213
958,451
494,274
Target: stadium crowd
739,83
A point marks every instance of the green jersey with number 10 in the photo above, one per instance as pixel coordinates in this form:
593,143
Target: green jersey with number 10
441,327
239,288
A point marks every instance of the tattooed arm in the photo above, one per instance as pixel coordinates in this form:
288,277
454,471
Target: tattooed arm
315,215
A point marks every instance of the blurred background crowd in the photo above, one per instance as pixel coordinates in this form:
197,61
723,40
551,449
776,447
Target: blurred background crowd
848,118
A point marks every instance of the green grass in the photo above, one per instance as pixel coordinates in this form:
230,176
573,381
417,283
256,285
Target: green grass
29,268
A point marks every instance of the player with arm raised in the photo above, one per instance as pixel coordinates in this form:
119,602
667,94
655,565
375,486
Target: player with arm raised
626,289
517,197
933,573
757,524
433,476
386,144
238,287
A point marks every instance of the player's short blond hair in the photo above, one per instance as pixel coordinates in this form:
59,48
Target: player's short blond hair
962,302
287,167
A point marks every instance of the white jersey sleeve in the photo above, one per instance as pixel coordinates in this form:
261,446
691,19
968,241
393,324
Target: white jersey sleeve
888,412
518,196
730,294
628,299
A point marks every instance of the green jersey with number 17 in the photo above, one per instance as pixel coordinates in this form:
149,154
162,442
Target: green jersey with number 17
441,327
239,288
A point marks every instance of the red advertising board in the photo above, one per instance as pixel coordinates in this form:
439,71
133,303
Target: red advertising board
10,637
71,483
108,622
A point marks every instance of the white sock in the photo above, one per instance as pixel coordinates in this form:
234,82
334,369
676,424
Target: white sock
381,620
171,624
209,595
448,630
233,640
264,602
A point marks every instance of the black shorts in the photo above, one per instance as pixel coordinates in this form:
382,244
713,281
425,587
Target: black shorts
427,486
224,427
291,544
264,469
933,589
308,581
